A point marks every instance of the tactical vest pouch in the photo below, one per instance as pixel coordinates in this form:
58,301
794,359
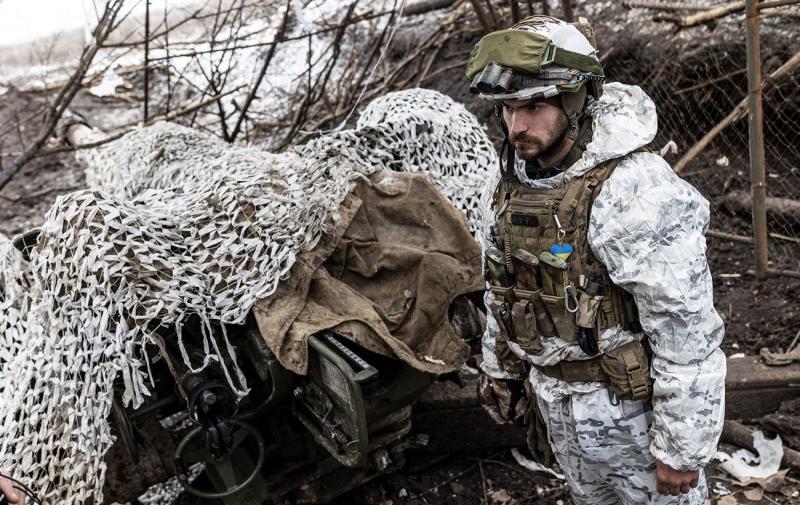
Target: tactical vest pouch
525,331
506,358
628,370
552,279
588,306
564,321
544,323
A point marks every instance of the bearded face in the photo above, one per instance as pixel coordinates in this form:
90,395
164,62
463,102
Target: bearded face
535,127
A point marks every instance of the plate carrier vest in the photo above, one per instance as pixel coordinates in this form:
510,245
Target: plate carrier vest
540,295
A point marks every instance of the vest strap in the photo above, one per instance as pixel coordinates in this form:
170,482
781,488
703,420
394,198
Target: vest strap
626,368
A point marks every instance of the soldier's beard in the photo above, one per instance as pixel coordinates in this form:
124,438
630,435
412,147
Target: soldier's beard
532,147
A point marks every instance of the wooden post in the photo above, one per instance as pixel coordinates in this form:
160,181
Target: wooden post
756,126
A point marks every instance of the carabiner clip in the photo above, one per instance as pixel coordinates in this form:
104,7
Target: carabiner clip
570,296
561,232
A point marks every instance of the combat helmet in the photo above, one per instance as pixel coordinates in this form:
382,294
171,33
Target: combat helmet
539,57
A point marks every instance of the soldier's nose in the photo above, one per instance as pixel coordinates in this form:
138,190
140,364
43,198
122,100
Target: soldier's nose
516,124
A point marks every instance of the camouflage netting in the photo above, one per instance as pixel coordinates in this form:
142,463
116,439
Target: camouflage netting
697,76
176,224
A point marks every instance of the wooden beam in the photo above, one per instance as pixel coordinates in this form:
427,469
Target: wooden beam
454,419
666,6
740,435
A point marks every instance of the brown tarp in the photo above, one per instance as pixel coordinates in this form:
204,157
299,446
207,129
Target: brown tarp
384,277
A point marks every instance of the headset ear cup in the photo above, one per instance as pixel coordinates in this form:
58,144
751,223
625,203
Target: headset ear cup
597,89
573,103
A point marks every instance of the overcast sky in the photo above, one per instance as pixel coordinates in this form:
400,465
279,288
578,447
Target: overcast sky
25,20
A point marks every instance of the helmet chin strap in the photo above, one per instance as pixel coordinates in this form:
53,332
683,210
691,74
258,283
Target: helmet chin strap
507,170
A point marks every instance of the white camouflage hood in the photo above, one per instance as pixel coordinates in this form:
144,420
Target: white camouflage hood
623,120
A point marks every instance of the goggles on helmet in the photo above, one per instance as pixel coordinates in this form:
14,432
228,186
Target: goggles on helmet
510,64
501,83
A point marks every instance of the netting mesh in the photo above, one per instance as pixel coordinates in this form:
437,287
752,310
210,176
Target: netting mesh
175,224
697,77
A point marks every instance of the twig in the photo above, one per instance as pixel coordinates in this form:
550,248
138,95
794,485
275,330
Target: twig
485,23
446,68
421,75
37,194
146,59
712,81
516,469
166,117
267,60
365,17
137,43
169,73
452,478
102,31
493,13
794,342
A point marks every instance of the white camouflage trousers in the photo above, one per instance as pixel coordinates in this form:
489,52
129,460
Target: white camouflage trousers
603,446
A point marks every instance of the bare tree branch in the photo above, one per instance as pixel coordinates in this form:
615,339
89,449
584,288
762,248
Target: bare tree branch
67,93
127,127
267,60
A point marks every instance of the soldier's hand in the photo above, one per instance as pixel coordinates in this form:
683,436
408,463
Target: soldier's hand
674,482
13,495
494,395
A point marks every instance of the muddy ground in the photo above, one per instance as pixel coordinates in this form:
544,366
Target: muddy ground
757,314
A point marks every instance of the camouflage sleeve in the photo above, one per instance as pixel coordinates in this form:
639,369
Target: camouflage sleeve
491,363
648,226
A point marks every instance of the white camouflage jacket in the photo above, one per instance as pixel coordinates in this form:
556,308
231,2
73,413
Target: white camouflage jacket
647,226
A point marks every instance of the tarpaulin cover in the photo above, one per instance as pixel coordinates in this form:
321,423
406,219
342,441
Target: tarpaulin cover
384,278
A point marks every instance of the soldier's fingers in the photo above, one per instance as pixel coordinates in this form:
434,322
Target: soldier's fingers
694,482
675,489
685,488
7,488
18,498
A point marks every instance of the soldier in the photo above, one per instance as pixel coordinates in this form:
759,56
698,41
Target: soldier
600,292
